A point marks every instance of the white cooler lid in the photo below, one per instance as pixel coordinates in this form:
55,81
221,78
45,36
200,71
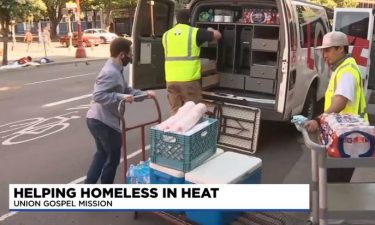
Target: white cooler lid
169,171
218,152
227,168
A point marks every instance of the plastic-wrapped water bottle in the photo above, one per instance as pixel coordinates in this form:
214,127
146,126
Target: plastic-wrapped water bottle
130,175
139,174
144,175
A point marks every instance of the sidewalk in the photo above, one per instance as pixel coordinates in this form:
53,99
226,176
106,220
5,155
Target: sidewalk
56,52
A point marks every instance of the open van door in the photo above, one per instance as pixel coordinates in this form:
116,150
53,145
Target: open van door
357,24
152,18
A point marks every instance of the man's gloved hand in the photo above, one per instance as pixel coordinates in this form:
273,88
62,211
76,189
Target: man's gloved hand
298,119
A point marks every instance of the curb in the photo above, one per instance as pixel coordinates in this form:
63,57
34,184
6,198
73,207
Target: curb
83,60
73,61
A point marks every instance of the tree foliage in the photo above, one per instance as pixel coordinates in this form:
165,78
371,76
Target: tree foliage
16,10
328,3
337,3
347,3
19,9
54,13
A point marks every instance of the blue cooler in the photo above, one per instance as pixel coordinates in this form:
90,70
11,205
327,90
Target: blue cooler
226,168
164,175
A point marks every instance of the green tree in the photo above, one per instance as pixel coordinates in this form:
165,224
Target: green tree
109,5
16,10
54,13
91,4
328,3
347,3
337,3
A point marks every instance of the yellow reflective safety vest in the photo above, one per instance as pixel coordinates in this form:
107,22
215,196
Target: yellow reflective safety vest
356,107
181,52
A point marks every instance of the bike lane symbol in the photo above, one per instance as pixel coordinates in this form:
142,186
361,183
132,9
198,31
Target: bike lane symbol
34,128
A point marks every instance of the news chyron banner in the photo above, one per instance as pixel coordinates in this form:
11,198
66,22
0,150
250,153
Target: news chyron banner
55,197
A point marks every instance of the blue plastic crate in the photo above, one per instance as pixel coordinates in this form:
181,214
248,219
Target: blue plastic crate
184,152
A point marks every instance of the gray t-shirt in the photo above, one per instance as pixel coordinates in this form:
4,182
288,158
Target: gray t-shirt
109,89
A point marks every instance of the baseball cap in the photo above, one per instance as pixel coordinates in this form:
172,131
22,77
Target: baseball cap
334,38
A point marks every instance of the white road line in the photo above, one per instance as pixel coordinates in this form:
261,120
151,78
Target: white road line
66,100
61,78
6,216
76,181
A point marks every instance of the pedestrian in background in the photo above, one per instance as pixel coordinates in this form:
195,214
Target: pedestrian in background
47,37
103,118
28,39
182,63
345,93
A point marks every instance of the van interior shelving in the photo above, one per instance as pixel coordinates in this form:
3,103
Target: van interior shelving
247,58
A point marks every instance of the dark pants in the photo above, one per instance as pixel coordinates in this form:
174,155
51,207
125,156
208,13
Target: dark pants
339,175
108,152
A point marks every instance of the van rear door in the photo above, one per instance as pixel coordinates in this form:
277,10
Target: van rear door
151,20
358,25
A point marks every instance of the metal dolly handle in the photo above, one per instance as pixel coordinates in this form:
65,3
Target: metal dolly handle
308,142
121,110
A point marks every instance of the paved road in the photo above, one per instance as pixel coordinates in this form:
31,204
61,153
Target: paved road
53,100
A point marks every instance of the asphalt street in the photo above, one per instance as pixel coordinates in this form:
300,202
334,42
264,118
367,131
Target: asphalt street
44,139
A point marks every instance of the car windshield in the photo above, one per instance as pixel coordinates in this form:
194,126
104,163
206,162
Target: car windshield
102,31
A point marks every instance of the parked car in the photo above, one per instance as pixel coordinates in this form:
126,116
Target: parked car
105,36
86,41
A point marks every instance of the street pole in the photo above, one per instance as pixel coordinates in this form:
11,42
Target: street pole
80,53
70,34
13,24
44,44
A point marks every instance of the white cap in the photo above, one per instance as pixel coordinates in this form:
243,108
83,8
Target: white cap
334,38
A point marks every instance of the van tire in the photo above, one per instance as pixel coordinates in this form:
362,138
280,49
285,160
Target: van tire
309,108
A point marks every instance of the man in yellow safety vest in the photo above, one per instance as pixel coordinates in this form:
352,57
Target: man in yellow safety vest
182,64
345,92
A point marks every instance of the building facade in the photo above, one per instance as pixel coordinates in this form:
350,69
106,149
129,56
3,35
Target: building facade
366,4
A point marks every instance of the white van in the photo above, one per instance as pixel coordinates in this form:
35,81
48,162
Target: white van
358,25
264,65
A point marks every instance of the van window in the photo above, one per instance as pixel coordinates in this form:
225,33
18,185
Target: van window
352,23
161,20
312,29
